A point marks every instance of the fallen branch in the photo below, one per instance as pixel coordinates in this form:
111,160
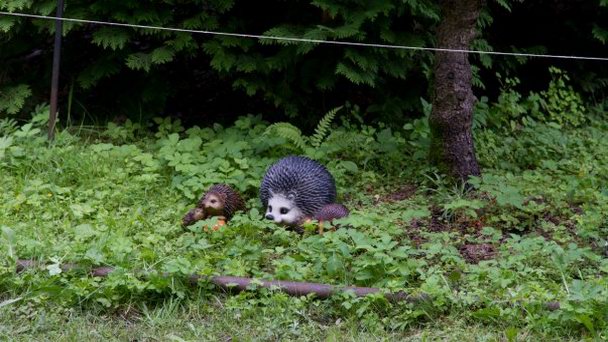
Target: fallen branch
292,288
230,283
322,291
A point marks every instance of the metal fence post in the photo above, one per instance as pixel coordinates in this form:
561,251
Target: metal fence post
55,75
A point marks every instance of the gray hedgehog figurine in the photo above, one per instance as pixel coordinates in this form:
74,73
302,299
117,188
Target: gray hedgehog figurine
294,189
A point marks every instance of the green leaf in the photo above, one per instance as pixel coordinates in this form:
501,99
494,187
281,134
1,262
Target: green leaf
5,142
334,265
323,127
15,5
111,37
510,196
13,98
104,301
600,33
490,313
54,269
6,23
139,61
349,166
287,131
587,322
162,55
84,231
511,334
357,77
504,4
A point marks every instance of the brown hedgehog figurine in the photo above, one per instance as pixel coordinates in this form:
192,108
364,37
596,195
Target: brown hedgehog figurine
219,200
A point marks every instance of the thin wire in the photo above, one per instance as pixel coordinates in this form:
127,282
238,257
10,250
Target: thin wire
303,40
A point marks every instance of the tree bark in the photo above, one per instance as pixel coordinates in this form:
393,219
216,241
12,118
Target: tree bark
452,148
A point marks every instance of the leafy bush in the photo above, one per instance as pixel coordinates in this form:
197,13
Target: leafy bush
560,105
112,71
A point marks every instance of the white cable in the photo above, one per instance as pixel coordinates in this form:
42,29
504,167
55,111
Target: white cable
303,40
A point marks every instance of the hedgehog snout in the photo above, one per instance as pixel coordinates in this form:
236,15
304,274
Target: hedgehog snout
269,217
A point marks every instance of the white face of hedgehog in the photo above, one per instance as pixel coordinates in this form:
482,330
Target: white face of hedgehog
283,210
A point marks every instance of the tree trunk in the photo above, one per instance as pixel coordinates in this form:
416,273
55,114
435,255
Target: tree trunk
451,119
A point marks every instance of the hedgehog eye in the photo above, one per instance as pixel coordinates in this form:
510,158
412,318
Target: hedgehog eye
213,201
284,211
270,208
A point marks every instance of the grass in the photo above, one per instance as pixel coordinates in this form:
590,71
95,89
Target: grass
533,232
199,320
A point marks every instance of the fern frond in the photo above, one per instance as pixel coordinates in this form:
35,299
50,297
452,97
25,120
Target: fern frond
6,23
139,61
322,128
111,38
357,77
600,33
14,5
282,31
344,138
161,55
13,98
287,131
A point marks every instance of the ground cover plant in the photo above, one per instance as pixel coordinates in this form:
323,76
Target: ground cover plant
521,256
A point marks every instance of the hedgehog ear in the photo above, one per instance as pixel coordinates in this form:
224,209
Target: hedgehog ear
291,196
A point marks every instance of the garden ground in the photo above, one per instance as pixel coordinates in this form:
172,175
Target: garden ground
494,261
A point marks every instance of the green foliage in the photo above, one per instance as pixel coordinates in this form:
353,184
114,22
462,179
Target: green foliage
562,104
289,132
6,23
323,127
531,231
536,146
559,105
12,99
111,37
118,199
600,33
14,5
420,132
154,71
100,52
139,61
249,65
300,142
257,67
